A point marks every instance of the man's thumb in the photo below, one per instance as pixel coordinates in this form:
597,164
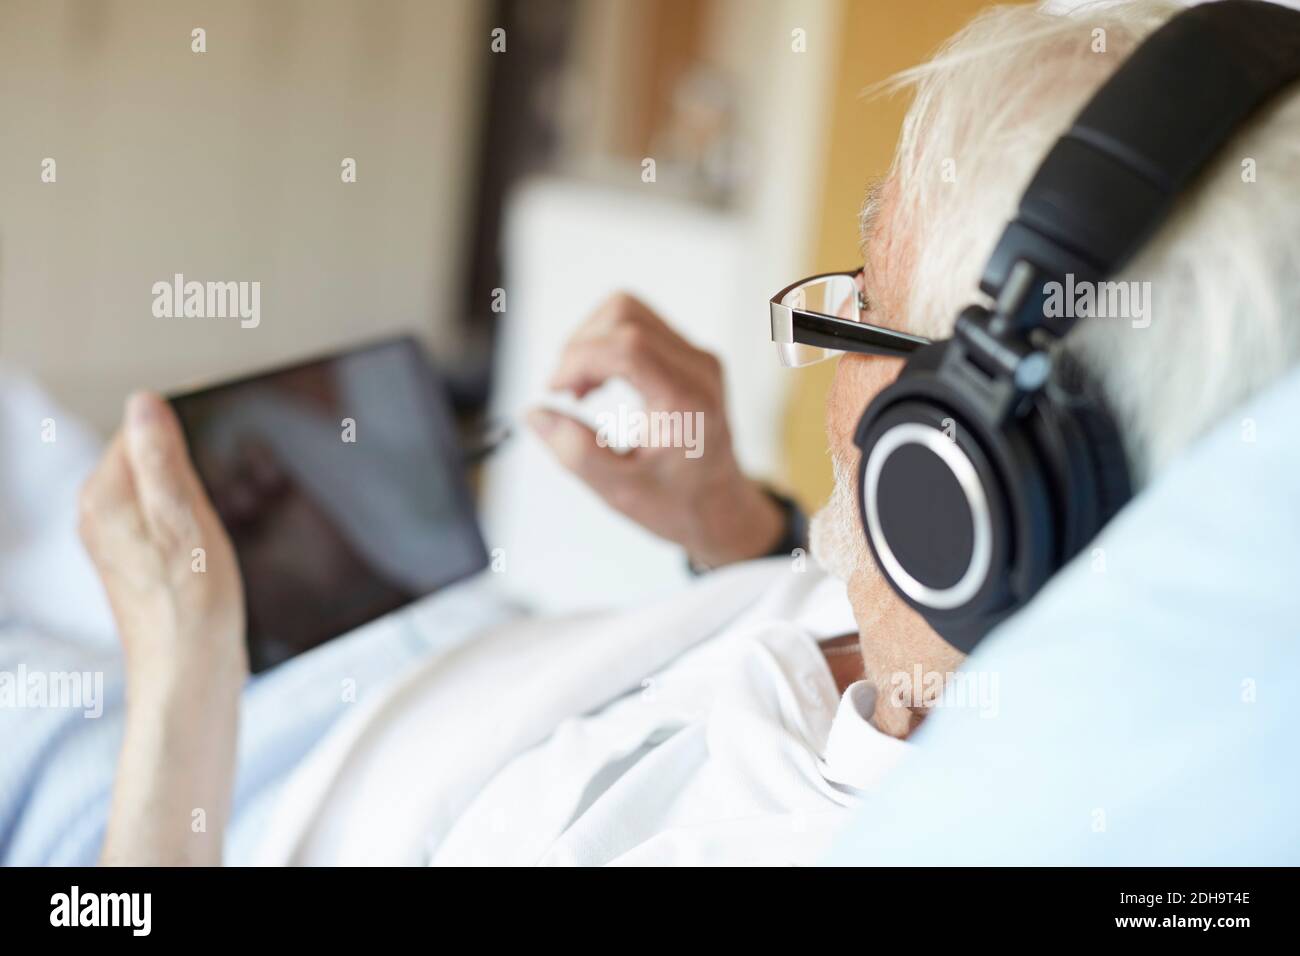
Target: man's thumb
160,464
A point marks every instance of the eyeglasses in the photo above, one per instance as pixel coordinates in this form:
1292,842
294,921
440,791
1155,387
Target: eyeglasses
816,318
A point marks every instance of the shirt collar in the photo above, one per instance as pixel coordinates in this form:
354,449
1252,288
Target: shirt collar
853,753
857,754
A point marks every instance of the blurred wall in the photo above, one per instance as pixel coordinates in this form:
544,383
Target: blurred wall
877,38
225,165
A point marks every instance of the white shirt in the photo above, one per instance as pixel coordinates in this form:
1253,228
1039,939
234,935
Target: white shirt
706,729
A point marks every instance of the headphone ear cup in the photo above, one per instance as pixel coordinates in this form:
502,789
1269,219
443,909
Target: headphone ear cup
920,524
1082,451
932,509
1110,459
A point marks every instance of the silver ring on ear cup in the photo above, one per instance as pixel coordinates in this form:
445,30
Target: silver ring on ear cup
977,571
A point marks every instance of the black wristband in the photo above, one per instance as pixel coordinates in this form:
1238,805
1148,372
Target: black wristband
795,535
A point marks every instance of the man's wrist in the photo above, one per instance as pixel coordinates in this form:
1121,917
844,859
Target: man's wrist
736,524
186,684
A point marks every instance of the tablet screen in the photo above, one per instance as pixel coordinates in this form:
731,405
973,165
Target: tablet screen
341,485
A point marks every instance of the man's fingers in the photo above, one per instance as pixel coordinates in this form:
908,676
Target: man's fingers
107,492
577,448
111,526
620,309
588,364
609,343
166,487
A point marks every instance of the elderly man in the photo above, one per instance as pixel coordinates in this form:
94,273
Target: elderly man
742,720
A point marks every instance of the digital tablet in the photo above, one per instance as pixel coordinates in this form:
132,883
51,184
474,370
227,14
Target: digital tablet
341,483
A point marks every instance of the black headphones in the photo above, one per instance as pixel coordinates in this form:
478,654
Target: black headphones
993,460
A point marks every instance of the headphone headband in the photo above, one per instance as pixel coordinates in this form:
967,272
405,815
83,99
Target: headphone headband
1112,179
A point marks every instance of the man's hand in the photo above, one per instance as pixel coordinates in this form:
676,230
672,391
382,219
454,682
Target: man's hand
170,574
705,504
165,561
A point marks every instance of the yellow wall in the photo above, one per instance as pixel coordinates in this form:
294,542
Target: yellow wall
877,39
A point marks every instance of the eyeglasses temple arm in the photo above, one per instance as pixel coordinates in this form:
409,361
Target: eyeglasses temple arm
823,331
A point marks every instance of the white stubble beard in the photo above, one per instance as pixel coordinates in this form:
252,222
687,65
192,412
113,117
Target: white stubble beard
835,532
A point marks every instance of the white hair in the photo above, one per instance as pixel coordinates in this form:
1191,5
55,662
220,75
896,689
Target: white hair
1224,270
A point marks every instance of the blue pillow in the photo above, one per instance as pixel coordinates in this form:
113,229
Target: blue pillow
1148,700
